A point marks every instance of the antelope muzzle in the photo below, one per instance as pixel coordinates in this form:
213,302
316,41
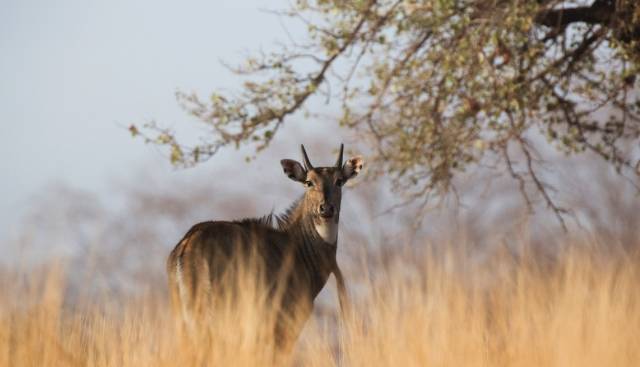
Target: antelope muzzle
327,210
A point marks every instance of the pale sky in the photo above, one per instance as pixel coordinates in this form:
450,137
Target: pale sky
74,74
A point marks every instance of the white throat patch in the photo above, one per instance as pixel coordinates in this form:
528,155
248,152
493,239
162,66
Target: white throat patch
328,230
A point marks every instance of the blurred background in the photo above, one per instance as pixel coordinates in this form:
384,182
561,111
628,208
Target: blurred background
78,188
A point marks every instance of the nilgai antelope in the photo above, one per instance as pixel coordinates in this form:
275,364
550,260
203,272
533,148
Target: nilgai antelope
298,255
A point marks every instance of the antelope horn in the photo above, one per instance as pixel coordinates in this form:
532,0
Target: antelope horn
307,164
339,161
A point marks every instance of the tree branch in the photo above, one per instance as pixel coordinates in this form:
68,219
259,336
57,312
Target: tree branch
600,12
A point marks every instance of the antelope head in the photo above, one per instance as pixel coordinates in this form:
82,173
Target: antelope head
323,190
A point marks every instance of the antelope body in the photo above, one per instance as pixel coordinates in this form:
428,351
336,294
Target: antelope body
298,256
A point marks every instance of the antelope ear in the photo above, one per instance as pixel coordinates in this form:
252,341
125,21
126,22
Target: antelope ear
293,170
352,167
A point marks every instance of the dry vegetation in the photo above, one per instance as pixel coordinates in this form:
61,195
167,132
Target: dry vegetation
580,308
483,291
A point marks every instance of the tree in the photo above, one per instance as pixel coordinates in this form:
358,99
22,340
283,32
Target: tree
438,86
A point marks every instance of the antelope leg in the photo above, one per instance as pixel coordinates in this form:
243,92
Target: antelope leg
343,297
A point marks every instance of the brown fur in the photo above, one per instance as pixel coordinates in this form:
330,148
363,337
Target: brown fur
295,258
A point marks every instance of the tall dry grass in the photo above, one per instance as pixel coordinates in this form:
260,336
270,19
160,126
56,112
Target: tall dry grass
581,309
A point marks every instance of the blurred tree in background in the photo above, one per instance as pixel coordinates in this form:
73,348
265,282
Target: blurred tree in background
438,86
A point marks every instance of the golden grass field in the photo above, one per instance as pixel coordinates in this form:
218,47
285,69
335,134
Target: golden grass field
581,309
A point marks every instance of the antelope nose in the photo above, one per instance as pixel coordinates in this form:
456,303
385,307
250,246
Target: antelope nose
326,210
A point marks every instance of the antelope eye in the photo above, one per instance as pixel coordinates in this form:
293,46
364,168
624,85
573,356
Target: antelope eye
339,182
308,183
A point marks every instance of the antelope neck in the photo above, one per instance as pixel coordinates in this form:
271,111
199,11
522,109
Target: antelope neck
327,229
